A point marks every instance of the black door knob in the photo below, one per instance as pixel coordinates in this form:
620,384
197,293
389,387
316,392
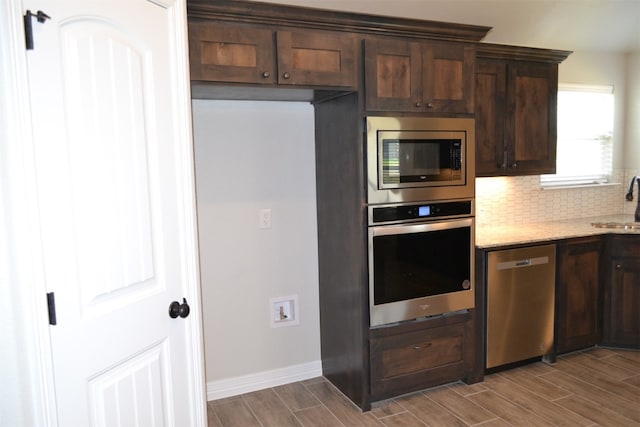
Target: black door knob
176,309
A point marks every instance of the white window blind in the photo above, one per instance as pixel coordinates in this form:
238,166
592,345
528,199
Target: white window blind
585,136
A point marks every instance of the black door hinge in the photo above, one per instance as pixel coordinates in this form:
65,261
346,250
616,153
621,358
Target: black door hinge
41,17
51,304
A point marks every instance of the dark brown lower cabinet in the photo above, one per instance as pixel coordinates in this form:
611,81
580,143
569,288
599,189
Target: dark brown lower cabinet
578,294
598,292
421,354
622,298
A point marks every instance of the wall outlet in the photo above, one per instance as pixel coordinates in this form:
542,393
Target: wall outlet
284,311
264,218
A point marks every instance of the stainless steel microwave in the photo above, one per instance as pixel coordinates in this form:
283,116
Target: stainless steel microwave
420,158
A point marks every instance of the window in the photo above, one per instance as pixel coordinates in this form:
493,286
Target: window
585,136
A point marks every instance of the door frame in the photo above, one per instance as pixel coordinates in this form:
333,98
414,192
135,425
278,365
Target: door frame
21,254
28,394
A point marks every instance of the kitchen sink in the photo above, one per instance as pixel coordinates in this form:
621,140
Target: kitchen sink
621,225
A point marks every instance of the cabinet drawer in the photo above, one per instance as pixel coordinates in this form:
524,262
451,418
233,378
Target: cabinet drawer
418,352
625,246
416,360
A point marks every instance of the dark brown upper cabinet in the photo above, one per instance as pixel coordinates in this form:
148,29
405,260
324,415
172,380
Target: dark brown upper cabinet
491,107
226,53
419,77
516,93
237,53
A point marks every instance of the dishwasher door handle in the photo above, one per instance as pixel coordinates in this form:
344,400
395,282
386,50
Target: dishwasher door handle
527,262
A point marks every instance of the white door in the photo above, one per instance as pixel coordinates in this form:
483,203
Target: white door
109,87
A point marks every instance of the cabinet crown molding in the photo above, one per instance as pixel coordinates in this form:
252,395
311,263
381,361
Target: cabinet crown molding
310,18
520,53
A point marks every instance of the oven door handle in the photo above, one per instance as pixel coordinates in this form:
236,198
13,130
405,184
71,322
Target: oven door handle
387,230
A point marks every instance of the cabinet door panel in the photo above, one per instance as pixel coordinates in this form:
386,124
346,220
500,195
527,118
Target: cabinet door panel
578,309
490,94
228,53
448,78
419,355
532,117
393,76
625,302
313,58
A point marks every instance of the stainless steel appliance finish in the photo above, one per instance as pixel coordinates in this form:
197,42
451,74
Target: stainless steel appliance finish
440,174
423,268
520,304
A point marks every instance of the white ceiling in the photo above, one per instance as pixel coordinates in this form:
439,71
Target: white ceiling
576,25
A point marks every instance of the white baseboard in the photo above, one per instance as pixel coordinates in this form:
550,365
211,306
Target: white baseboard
253,382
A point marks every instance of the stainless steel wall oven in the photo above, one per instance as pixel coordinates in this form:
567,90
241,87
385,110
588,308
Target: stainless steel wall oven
420,260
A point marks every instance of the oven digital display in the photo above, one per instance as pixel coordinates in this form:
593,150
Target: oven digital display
424,211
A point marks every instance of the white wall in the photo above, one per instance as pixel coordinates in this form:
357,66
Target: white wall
250,156
632,118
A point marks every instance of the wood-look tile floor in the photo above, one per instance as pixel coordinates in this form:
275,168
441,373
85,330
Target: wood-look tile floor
595,387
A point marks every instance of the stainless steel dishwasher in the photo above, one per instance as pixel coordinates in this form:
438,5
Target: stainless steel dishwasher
520,303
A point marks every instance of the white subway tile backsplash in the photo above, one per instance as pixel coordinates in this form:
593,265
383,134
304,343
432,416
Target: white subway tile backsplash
518,200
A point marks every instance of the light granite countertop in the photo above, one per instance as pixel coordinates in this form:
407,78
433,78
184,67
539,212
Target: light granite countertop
513,234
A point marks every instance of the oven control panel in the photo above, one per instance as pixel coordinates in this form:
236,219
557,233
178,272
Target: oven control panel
417,211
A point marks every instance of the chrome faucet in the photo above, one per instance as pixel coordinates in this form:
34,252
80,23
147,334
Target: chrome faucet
629,195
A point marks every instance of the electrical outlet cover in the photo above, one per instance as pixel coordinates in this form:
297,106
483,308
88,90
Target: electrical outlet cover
264,218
